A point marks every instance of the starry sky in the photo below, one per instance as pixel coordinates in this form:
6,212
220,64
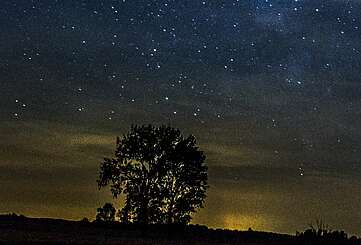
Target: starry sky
270,88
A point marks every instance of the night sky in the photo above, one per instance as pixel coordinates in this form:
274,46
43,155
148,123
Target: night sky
271,89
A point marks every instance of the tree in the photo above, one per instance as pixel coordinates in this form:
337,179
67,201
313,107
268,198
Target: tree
106,213
161,173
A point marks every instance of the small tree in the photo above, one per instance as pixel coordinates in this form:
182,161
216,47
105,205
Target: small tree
106,213
161,173
322,234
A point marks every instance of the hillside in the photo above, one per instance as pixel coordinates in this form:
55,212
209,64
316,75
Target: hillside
20,229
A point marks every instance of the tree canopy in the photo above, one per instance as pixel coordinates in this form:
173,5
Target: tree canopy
161,173
106,213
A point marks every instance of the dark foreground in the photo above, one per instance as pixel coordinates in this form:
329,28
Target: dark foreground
19,229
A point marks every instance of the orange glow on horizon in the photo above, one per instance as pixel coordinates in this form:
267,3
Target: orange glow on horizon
244,222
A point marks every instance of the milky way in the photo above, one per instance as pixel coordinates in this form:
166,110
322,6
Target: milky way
271,89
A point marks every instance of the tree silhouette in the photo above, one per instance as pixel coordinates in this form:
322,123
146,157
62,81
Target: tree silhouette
161,173
106,213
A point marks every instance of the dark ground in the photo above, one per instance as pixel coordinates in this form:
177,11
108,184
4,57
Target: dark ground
20,229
